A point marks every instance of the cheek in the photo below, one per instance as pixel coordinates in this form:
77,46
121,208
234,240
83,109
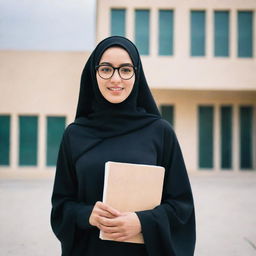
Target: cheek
130,84
101,83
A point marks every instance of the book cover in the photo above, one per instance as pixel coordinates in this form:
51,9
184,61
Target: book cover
132,187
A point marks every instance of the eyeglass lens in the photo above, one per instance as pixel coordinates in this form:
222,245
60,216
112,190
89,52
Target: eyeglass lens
125,72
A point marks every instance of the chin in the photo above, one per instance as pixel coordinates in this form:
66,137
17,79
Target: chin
115,100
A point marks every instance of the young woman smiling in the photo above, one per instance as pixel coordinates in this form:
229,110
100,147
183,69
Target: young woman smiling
117,120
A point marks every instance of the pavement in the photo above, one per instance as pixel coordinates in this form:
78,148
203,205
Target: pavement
225,204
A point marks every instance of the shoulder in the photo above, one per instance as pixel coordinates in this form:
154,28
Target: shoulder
164,126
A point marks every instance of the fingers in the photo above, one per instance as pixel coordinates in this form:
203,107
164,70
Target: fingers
108,208
117,236
107,222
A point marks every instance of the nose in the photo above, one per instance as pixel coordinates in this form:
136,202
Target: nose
115,77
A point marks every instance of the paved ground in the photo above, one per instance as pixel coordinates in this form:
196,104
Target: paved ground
225,208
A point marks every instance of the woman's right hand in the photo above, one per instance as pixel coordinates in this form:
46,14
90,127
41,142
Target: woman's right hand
102,210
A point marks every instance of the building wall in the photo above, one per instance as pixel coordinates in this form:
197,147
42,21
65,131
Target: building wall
186,125
184,81
41,84
181,71
46,84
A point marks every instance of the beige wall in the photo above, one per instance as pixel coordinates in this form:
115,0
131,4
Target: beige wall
182,71
186,120
47,83
42,84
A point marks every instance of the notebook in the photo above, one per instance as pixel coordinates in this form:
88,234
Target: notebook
132,187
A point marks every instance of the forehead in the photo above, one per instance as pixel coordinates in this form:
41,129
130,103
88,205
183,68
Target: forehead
116,55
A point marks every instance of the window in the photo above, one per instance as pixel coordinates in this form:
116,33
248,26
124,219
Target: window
245,34
167,112
221,33
28,137
246,117
142,31
55,129
165,35
197,31
226,137
4,140
118,22
205,136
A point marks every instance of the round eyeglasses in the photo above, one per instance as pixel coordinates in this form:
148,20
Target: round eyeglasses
126,72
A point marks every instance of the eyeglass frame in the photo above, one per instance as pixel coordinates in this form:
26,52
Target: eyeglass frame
114,68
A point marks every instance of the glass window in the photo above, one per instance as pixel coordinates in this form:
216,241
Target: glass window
245,34
55,129
226,137
118,22
165,34
206,136
246,124
142,31
167,113
221,33
4,140
197,30
28,140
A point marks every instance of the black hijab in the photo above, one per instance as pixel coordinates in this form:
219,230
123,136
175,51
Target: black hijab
104,119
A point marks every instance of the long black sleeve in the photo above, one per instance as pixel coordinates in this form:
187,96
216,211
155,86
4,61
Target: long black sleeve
169,229
67,213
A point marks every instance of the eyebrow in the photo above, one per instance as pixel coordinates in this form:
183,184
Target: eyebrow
108,63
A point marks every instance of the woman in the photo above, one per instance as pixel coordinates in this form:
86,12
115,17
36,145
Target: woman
118,120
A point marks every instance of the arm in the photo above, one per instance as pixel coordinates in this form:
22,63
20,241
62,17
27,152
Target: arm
169,229
67,213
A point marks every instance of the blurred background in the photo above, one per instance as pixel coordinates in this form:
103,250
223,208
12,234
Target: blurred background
199,60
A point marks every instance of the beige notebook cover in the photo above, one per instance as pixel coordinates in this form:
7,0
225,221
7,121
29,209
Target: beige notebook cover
132,187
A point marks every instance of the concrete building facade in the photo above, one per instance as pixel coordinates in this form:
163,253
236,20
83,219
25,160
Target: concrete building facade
199,58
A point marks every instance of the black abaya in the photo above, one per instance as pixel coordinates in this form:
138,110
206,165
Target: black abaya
131,132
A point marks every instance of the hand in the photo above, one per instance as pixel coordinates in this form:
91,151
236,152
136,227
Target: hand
101,210
122,227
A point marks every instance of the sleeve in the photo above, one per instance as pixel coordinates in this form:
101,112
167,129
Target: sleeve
67,213
169,229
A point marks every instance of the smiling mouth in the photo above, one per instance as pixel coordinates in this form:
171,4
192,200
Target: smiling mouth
115,88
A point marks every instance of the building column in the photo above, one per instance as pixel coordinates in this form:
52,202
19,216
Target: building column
233,34
130,23
153,37
181,43
209,24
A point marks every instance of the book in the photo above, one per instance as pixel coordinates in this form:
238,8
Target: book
132,187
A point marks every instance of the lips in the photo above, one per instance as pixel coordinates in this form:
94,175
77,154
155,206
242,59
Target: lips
115,89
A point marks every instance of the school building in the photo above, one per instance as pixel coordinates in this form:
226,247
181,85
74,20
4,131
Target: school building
199,58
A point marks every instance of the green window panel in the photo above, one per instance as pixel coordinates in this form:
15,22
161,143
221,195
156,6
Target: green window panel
226,137
246,124
28,140
167,112
142,31
221,33
4,140
245,34
205,136
55,129
118,22
165,35
197,30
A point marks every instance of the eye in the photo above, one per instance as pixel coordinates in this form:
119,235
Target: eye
126,70
105,69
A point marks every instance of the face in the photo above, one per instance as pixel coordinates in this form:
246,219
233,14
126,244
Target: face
115,89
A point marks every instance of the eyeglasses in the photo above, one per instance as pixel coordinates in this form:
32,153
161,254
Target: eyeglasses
126,72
